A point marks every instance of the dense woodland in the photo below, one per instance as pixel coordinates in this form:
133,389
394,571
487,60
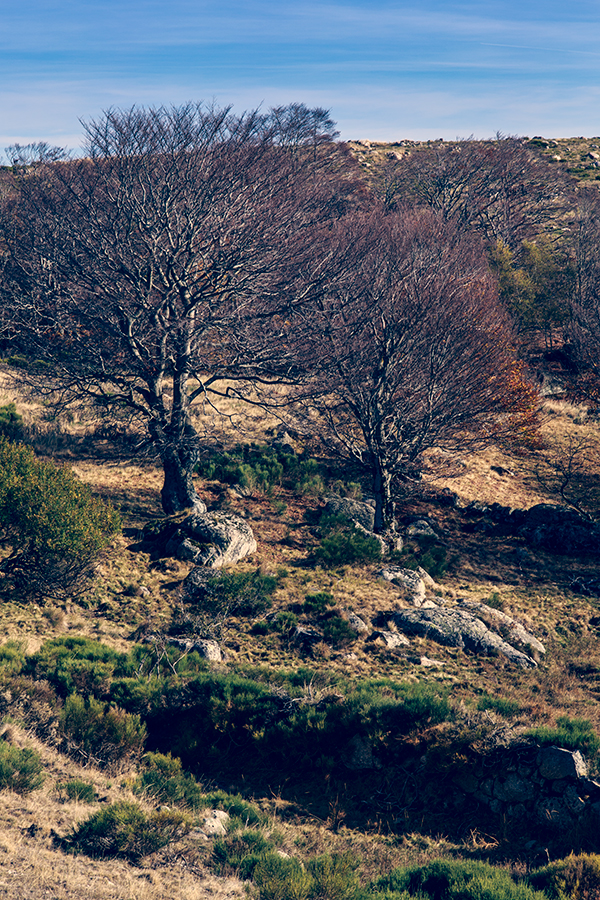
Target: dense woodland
314,345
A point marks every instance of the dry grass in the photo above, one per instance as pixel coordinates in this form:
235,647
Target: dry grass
133,591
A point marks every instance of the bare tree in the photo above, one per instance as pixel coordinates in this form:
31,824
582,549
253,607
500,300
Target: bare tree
409,349
583,331
499,188
140,273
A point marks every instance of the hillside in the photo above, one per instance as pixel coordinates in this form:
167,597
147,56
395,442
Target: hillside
299,486
335,805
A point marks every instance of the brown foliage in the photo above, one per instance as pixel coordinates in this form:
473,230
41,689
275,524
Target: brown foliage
409,348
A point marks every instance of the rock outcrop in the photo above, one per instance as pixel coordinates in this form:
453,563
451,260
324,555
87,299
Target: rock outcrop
456,627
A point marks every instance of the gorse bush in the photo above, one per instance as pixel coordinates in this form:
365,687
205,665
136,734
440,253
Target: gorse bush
239,853
344,544
261,469
107,733
278,878
327,877
124,829
20,770
164,780
453,880
75,664
54,526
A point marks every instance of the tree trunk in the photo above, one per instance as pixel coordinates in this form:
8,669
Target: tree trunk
384,508
178,492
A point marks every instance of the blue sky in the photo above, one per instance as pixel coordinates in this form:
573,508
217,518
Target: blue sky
386,70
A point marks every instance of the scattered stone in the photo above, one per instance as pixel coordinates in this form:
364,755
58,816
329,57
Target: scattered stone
420,528
430,663
306,636
391,639
215,823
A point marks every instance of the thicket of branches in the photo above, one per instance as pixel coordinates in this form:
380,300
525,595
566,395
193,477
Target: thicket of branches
188,246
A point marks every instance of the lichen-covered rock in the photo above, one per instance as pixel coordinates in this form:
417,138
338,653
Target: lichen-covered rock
458,628
354,510
356,623
410,579
212,539
390,639
496,619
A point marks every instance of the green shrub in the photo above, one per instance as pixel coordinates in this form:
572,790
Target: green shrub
11,423
318,603
107,733
573,734
260,468
12,657
337,631
236,806
81,791
124,829
455,880
427,554
573,878
334,877
52,523
75,664
281,879
165,781
285,622
345,544
239,854
20,770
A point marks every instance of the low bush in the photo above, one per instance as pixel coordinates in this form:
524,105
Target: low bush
53,525
236,806
453,880
502,705
573,734
104,732
261,469
81,791
334,877
20,770
12,657
278,878
327,877
75,664
318,603
11,423
344,544
575,878
239,853
164,780
124,829
337,631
